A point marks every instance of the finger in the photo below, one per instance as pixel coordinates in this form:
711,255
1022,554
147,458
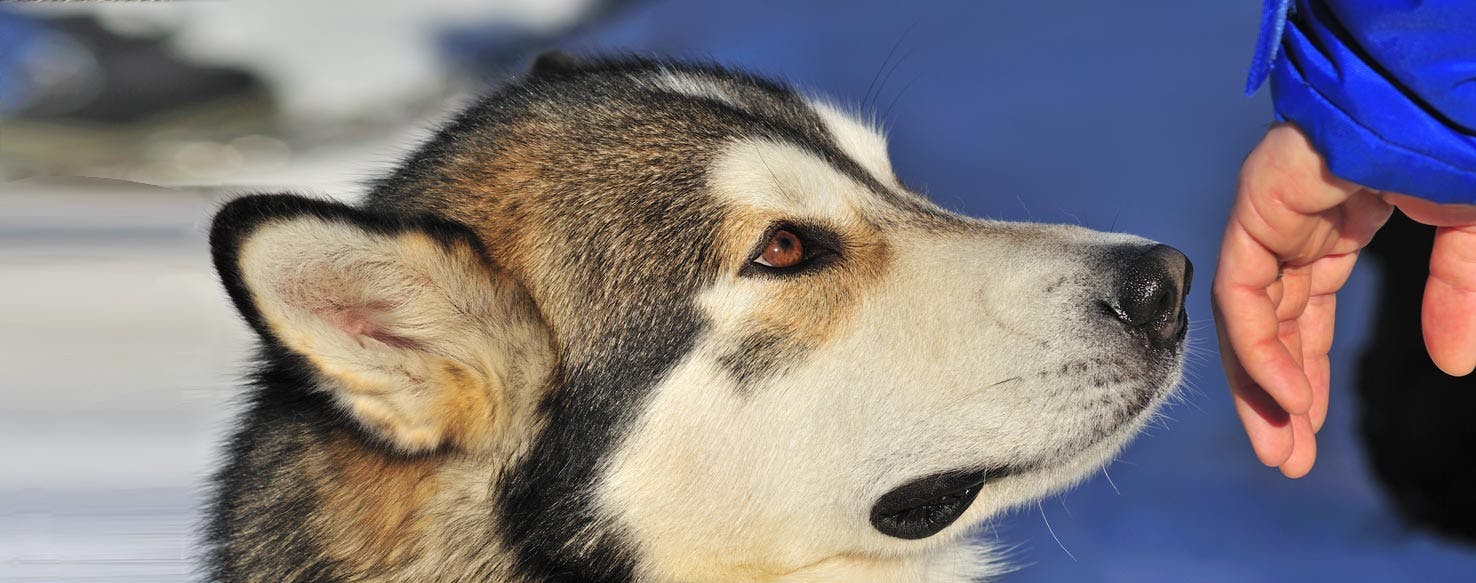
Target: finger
1266,424
1317,325
1317,341
1330,273
1432,213
1450,301
1275,292
1249,322
1296,285
1317,334
1304,448
1319,374
1290,335
1288,311
1285,170
1359,219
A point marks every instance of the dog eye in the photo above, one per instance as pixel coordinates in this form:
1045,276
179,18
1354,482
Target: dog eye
784,249
791,249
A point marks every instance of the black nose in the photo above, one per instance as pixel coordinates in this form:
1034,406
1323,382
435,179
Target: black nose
1149,292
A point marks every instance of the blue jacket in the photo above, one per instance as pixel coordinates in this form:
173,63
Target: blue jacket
1384,89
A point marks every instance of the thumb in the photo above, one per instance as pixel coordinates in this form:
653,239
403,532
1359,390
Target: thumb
1449,311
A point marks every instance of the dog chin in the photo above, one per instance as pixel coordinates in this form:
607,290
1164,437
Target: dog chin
1022,483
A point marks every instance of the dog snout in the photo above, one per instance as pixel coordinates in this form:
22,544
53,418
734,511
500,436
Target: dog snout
1148,290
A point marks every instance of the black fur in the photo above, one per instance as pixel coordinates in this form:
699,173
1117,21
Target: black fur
777,112
758,355
600,388
645,153
283,416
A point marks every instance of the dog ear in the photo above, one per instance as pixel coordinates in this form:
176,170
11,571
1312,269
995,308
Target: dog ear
404,321
553,62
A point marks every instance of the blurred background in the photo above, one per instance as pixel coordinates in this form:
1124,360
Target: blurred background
125,125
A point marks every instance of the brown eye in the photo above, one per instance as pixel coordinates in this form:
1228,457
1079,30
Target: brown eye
784,249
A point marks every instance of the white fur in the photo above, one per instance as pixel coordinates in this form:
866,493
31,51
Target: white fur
784,180
862,141
694,86
952,360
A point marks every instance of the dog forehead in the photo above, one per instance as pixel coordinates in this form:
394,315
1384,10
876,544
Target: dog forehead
637,166
847,144
783,180
612,120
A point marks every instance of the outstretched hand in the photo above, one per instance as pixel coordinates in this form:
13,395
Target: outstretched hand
1293,236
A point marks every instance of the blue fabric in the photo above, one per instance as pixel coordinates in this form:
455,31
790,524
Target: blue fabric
1384,89
1273,22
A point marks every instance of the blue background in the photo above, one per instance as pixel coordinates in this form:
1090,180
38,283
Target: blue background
1125,116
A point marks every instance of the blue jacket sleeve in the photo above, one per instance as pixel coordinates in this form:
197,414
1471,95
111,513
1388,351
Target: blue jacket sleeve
1384,89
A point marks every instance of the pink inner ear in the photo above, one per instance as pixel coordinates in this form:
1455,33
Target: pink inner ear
359,321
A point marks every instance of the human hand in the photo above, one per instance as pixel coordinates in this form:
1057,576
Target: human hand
1293,236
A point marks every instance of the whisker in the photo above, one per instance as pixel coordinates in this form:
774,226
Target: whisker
881,87
1075,219
1052,530
1109,481
778,184
866,97
898,98
1025,208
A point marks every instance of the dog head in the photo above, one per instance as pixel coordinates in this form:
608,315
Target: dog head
690,324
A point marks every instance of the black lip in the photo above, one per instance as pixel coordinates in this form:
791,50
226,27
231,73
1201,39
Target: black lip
923,507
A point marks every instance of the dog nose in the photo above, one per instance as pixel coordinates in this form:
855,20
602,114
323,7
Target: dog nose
1148,296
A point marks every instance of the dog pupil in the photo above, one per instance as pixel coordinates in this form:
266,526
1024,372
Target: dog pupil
784,249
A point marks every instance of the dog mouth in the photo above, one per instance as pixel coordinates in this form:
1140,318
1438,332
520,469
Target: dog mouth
925,506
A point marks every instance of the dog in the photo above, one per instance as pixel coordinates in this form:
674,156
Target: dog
631,319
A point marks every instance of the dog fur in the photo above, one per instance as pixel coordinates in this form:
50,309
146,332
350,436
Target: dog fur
543,350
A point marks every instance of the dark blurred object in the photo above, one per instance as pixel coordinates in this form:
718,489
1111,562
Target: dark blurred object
81,99
1416,421
80,71
481,51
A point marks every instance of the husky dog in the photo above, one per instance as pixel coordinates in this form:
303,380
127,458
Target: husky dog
641,320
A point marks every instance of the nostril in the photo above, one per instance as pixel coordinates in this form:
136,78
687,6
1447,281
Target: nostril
1144,296
1111,308
1148,294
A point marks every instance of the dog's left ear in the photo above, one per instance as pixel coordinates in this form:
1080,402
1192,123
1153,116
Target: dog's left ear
405,322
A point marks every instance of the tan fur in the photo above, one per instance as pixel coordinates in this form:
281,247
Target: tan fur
784,407
766,183
816,309
805,313
372,505
434,355
394,519
388,319
470,410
